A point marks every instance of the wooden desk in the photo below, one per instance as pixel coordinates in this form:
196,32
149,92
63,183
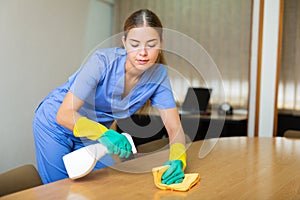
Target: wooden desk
237,168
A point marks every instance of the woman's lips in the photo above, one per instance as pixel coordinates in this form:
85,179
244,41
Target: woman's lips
142,62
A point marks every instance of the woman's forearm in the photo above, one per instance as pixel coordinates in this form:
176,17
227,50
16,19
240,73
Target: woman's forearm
67,114
67,118
173,126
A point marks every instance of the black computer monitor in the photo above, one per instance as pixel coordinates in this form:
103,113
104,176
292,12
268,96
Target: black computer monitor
196,100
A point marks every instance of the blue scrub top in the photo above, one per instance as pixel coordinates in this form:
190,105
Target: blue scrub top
100,84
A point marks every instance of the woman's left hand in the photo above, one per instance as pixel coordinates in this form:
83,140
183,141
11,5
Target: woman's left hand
174,173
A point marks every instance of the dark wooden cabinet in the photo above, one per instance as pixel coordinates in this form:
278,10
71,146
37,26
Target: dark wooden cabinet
287,121
146,128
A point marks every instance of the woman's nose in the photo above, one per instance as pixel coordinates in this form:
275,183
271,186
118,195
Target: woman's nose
143,51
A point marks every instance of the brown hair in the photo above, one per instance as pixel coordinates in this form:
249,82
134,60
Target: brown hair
145,17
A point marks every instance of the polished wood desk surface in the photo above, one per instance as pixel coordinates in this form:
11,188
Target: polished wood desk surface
236,168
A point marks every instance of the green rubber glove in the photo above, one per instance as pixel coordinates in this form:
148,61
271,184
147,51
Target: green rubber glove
116,143
174,174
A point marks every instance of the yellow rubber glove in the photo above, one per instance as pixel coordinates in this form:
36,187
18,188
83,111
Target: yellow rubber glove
177,152
177,164
88,128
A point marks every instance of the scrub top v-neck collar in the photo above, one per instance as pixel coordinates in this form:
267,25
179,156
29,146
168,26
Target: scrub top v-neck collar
120,84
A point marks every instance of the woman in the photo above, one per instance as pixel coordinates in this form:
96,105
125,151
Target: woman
114,83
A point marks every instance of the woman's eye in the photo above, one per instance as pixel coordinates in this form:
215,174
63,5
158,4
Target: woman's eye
134,45
151,45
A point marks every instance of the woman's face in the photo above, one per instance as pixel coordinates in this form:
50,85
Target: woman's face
143,46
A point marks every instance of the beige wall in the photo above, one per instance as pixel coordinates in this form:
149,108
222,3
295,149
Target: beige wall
42,42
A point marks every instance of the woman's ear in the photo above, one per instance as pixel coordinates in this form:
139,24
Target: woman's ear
124,41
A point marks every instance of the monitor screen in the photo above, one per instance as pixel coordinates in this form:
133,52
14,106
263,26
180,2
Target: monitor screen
196,99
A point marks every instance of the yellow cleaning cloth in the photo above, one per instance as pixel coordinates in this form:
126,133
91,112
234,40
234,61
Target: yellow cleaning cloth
188,182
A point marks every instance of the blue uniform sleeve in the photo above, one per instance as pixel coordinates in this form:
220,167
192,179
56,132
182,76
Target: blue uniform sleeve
163,97
88,76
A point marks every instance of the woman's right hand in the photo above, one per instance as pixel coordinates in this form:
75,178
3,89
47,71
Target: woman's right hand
116,143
